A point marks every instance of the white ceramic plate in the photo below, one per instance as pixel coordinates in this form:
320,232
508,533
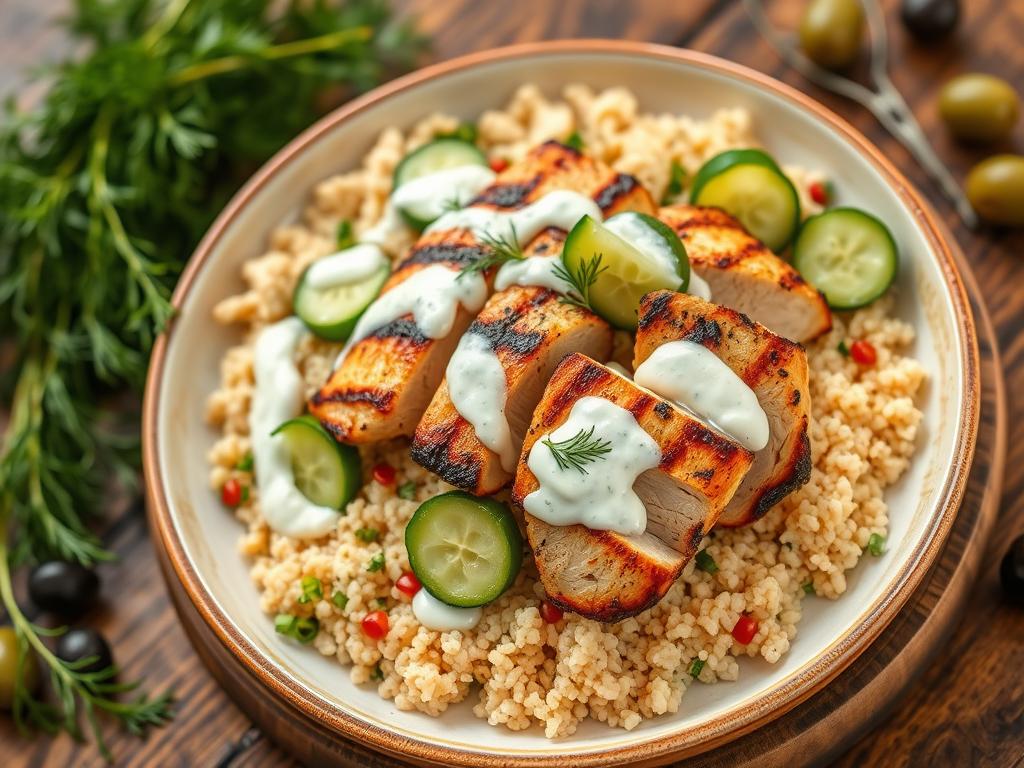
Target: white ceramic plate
200,537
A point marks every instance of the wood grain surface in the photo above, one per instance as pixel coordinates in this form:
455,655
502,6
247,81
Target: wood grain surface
966,709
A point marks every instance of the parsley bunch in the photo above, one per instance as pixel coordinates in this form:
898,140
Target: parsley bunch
105,188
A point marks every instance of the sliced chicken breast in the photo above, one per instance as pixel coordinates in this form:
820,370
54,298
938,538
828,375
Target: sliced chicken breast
775,368
530,330
745,275
385,382
605,575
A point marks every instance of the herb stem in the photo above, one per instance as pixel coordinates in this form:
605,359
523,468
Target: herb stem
226,64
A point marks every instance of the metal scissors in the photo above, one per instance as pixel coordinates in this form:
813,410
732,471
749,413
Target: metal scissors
882,99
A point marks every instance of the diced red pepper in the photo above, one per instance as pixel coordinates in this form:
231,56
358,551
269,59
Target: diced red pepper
745,629
231,493
384,474
552,614
820,192
498,164
408,583
863,353
375,624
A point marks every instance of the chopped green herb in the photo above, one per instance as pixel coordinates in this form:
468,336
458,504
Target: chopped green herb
876,545
340,599
245,493
245,463
581,278
575,141
311,590
377,674
582,448
346,237
676,177
696,667
284,624
464,132
376,562
808,588
407,490
382,602
306,630
367,535
843,349
500,248
706,562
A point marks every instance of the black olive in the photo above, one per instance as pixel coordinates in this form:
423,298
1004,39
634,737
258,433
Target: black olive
66,589
78,644
1011,571
930,19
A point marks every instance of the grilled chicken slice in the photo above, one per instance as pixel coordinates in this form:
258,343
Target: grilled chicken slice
605,575
773,367
530,331
386,380
745,275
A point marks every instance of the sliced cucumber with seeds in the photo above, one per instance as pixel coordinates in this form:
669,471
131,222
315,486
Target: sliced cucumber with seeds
848,255
326,472
725,160
638,254
464,550
438,155
760,196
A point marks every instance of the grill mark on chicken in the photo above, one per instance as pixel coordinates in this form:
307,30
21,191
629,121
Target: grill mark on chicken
705,332
379,399
664,410
705,474
503,334
801,474
461,470
508,195
582,381
696,536
706,217
444,253
654,309
402,328
795,397
743,253
618,187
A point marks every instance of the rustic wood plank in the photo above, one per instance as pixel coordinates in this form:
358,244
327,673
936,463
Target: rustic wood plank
969,706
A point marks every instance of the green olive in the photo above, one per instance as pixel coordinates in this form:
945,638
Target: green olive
831,32
9,667
979,107
995,188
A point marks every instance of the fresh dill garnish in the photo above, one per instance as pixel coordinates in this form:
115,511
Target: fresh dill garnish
578,450
500,249
580,279
106,186
452,204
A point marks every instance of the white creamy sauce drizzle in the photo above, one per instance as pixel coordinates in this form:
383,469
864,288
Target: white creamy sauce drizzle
277,397
696,378
479,390
561,208
430,196
698,286
431,295
390,225
635,231
602,499
353,265
440,617
533,270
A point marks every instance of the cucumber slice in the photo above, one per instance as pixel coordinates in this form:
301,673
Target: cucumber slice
332,312
464,550
761,197
848,255
438,155
326,472
638,253
725,160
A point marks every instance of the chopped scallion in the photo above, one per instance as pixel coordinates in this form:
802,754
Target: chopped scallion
245,463
706,562
808,588
876,545
340,599
346,237
367,535
376,562
311,590
407,490
676,177
843,349
696,667
575,141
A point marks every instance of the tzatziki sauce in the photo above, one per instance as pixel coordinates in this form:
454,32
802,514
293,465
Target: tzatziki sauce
434,194
479,390
277,397
352,265
441,617
602,498
696,378
631,228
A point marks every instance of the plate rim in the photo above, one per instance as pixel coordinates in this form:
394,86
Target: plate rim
690,740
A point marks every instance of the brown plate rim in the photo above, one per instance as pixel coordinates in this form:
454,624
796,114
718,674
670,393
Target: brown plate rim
688,741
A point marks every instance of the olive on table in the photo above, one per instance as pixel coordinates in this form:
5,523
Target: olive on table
1011,571
9,667
831,32
77,644
930,19
65,589
995,188
979,107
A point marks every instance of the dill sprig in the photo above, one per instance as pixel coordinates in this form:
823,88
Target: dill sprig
580,278
500,249
578,450
105,188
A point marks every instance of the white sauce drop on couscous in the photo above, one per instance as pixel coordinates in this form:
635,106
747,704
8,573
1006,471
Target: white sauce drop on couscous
441,617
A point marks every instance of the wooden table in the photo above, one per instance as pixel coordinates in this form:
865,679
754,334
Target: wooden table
967,709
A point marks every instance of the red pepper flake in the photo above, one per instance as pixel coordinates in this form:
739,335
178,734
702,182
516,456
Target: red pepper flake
745,629
498,164
820,192
552,614
375,624
384,474
863,353
231,493
408,583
